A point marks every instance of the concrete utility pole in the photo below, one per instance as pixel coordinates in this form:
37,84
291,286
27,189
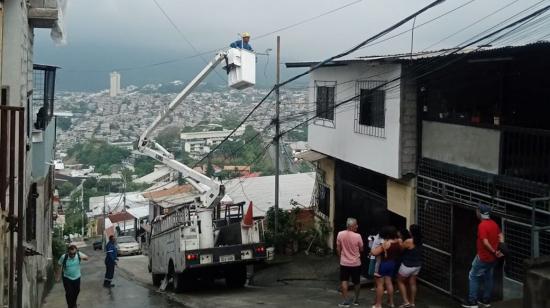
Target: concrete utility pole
82,207
277,137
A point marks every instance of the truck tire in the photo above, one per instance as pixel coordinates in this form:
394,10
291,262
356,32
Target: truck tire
235,277
157,279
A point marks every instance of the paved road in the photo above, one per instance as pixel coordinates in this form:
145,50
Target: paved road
126,293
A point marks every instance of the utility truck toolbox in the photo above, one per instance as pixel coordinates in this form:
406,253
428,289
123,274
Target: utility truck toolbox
242,64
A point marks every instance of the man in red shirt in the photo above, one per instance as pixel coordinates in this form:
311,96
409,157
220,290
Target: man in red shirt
488,238
349,246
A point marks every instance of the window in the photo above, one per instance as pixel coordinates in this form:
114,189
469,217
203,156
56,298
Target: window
30,223
325,102
4,96
370,109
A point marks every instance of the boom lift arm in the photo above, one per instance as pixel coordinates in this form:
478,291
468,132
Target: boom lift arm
209,189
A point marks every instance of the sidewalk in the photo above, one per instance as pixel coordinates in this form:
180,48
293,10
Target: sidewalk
304,282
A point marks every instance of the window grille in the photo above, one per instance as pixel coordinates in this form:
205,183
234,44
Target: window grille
370,108
325,97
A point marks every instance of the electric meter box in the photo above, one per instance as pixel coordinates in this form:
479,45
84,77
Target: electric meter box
242,68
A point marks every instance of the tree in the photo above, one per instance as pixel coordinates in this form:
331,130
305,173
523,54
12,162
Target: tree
65,189
210,169
143,165
63,123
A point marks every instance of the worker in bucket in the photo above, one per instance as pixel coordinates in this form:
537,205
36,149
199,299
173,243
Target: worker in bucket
242,43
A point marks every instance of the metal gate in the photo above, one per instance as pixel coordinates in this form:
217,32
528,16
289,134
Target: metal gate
12,171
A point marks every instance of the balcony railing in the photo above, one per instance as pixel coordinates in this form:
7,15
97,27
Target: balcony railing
43,95
525,153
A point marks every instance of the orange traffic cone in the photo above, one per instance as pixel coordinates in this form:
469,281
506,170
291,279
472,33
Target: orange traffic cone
248,219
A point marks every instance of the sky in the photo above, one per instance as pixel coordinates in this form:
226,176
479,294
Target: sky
130,35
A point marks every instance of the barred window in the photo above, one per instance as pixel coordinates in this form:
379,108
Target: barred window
371,108
325,102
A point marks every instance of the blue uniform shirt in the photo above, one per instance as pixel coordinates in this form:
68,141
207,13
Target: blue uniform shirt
239,44
72,266
111,251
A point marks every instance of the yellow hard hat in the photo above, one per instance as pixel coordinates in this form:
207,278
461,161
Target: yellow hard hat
245,34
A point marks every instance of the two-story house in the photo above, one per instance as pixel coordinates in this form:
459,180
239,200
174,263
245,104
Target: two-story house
426,138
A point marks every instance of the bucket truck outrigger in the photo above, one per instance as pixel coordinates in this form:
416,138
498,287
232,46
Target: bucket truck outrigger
202,238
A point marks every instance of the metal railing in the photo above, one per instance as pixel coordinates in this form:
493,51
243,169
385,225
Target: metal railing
12,172
43,95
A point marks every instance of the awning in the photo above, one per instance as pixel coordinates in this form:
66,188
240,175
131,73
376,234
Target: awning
139,212
310,155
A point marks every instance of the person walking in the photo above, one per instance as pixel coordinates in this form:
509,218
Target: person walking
488,238
349,246
111,259
69,269
389,252
410,266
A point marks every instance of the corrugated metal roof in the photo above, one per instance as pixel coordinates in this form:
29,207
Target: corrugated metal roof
404,57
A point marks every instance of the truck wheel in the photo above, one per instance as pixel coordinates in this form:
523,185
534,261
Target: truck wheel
235,277
157,279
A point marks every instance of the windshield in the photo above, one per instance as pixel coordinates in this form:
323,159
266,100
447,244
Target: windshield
126,239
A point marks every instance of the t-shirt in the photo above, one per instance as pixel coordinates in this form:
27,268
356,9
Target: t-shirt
350,244
72,266
487,229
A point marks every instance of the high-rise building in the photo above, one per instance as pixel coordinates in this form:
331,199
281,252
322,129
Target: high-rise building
115,84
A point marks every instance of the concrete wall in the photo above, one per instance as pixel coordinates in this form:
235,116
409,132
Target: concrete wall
328,168
408,136
341,141
466,146
401,199
537,281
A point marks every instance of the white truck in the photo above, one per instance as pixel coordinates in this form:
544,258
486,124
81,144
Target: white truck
203,239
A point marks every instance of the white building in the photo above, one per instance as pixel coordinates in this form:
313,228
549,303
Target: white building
364,139
115,84
197,143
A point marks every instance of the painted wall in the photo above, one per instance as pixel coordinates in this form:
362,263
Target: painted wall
341,141
401,198
466,146
327,167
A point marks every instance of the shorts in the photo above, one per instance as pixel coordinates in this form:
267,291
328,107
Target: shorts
387,268
406,271
350,271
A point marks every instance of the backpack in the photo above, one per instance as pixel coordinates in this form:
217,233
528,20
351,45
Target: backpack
67,257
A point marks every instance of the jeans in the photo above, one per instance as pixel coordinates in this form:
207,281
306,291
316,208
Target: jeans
481,272
72,288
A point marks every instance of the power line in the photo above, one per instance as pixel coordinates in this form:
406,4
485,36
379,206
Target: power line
320,64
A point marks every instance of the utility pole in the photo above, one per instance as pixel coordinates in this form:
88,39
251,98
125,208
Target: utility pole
277,137
82,206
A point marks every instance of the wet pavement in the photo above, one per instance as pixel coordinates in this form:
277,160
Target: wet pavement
126,293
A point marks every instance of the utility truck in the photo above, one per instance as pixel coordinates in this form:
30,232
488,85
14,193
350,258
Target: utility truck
205,238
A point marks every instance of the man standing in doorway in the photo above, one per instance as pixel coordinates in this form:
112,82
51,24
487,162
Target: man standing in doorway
349,246
70,270
111,259
488,238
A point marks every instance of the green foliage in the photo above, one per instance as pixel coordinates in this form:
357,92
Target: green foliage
99,154
63,123
210,169
298,134
58,244
65,189
144,165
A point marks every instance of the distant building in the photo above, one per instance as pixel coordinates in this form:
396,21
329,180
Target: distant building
115,84
198,143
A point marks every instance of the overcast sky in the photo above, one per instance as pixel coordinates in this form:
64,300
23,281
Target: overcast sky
104,35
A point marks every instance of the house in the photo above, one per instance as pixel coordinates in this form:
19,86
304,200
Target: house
27,147
459,128
198,143
162,201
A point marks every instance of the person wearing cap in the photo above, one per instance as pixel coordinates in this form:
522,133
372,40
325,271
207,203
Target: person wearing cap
244,43
69,266
488,238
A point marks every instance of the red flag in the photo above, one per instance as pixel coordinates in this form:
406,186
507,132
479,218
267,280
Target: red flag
248,219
